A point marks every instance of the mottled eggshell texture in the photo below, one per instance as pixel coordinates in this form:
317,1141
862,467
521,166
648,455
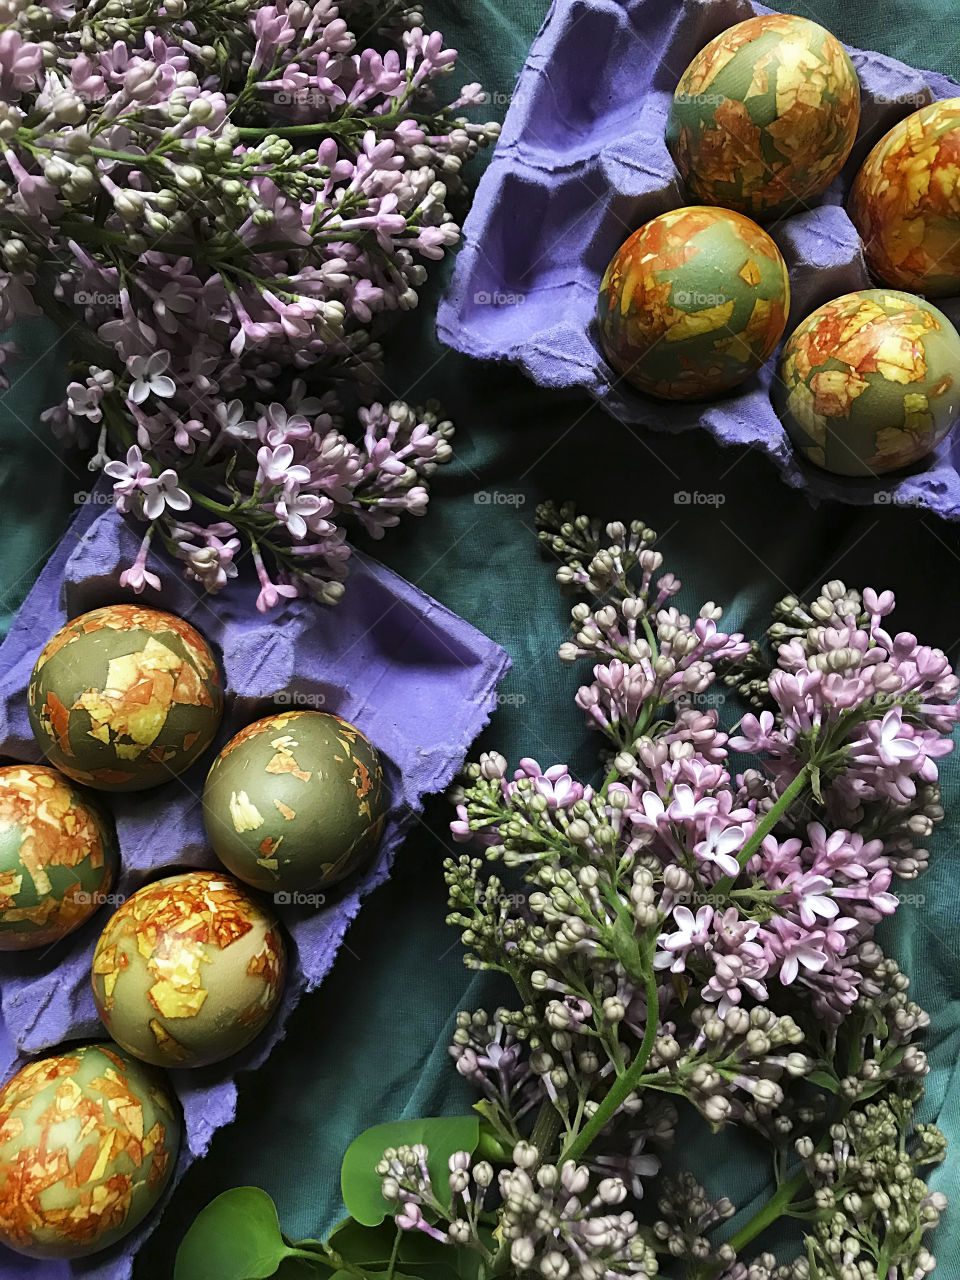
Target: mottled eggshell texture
693,303
869,382
124,697
295,801
765,115
58,856
88,1140
188,970
906,202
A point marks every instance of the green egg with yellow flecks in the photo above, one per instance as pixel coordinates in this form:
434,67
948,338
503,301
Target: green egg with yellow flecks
88,1141
869,382
125,697
295,802
188,970
693,303
765,115
58,856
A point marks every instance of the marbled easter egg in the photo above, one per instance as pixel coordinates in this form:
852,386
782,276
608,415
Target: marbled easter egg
88,1140
869,382
693,303
905,202
58,856
764,116
188,970
124,697
296,801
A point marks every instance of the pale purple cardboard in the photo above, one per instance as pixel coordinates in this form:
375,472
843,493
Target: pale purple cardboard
582,163
419,682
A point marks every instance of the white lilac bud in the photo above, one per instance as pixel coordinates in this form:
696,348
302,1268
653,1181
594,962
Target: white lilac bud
525,1155
716,1108
575,1178
614,1010
483,1173
612,1190
459,1230
522,1252
554,1266
737,1021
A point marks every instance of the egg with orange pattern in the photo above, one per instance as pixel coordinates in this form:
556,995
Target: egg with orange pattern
905,202
88,1141
693,303
58,856
765,115
869,382
188,970
125,697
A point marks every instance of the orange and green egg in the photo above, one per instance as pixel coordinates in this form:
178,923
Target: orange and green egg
765,115
88,1141
125,697
693,303
58,856
869,382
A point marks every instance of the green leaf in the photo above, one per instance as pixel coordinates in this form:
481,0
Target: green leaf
303,1269
364,1245
236,1237
490,1147
359,1181
824,1080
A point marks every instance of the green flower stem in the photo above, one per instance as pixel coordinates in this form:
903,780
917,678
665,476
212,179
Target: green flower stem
778,1206
546,1128
391,1267
621,1089
796,787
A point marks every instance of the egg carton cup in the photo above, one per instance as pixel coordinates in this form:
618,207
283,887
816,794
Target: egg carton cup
417,679
582,163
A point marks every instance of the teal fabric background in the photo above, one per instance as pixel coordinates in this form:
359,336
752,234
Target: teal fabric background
371,1044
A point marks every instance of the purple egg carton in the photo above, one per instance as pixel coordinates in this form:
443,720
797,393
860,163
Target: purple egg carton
419,682
582,163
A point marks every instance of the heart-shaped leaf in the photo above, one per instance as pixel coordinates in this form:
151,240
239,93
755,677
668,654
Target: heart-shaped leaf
359,1181
236,1237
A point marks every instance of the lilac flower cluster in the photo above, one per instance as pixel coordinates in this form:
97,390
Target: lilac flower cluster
214,200
693,936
